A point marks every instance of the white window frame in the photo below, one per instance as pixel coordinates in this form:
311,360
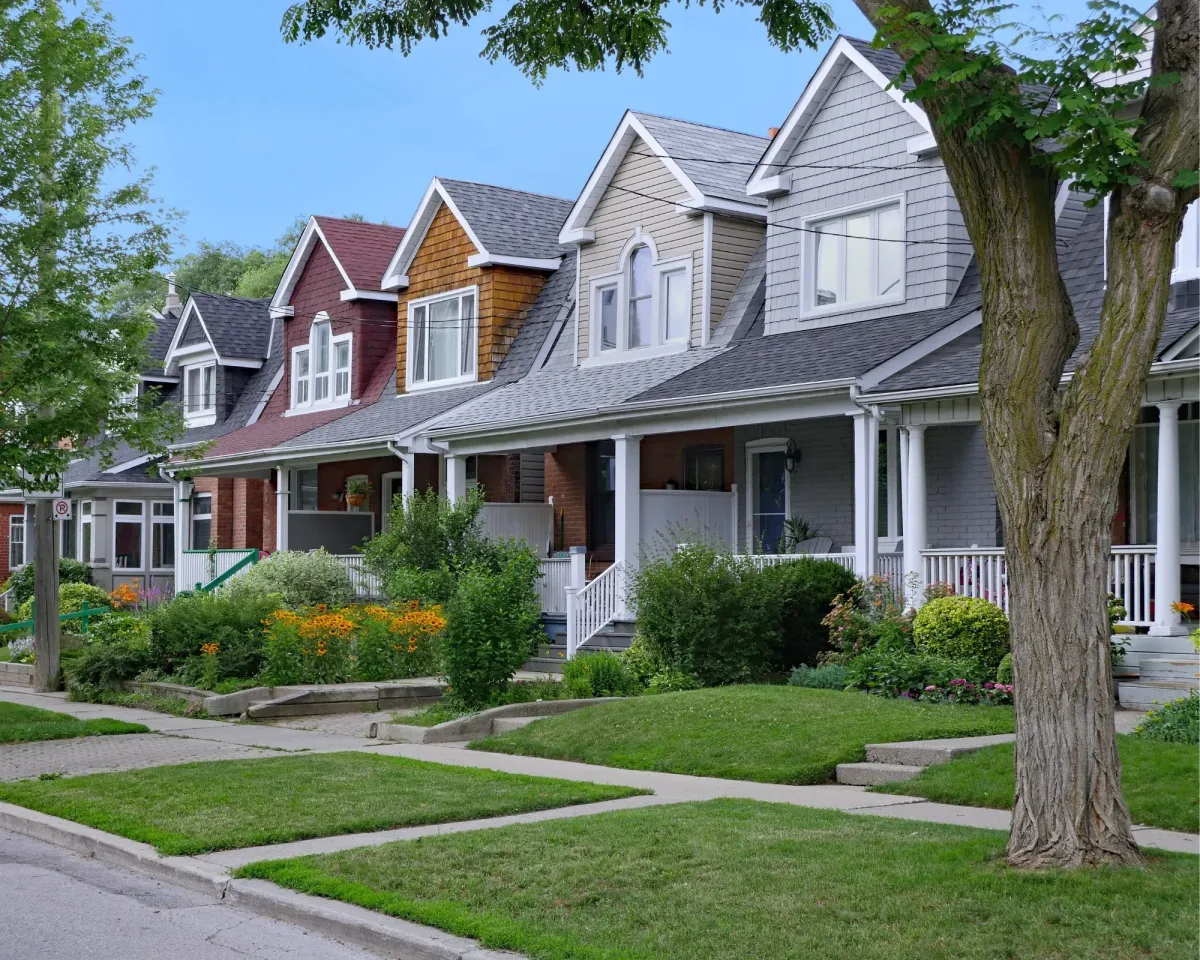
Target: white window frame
661,268
140,520
808,258
304,388
1189,236
85,520
413,384
16,522
195,515
385,485
159,520
753,449
206,414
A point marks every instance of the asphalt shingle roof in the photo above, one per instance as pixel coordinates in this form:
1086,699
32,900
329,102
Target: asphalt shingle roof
158,343
239,326
363,249
511,223
695,147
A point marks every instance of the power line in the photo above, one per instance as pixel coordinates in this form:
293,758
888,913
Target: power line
869,168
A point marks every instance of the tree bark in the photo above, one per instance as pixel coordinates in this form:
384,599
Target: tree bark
1056,453
45,599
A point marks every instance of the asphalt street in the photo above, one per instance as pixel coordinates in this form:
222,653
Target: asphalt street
55,905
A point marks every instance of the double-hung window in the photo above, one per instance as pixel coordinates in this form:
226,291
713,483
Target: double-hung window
129,517
16,541
321,375
442,338
856,258
200,391
201,521
1187,250
162,535
647,305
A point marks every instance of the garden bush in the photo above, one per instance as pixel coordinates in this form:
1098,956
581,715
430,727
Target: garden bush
889,671
1004,672
963,628
71,597
299,579
118,650
180,628
1177,721
870,612
69,571
806,589
599,674
832,676
391,645
493,624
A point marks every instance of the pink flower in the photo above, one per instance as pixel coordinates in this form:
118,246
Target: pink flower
930,687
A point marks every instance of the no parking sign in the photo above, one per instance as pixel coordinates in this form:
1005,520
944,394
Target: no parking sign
62,509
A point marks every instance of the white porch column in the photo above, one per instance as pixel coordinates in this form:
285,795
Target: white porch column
283,485
408,476
1166,560
915,536
183,523
894,483
866,493
456,478
628,467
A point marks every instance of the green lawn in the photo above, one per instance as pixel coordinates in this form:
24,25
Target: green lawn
221,805
20,724
1161,781
769,734
741,880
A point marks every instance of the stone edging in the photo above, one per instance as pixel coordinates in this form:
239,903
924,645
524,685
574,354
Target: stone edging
480,724
340,921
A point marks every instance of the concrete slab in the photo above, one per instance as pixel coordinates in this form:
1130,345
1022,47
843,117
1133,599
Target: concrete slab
925,753
869,774
479,725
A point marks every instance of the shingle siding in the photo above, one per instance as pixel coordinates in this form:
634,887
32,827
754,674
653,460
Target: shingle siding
960,495
860,125
734,244
193,333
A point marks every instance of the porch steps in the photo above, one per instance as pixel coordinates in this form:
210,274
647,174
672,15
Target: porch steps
891,762
1149,694
1173,668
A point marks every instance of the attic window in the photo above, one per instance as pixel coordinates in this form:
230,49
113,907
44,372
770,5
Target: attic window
321,368
855,259
442,338
200,394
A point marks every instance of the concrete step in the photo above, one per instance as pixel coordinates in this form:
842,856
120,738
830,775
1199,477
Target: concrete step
505,724
925,753
1169,668
1145,644
544,664
1146,695
870,774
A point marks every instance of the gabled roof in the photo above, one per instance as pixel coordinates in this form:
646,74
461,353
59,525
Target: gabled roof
507,227
360,250
237,328
687,151
158,343
770,176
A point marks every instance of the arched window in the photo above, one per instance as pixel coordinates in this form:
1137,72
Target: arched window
647,304
641,293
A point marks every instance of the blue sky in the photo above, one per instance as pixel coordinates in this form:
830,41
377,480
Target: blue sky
250,132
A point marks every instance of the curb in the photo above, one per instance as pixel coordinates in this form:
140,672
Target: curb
344,922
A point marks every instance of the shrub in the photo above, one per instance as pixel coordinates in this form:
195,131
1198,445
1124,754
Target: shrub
1177,721
641,660
180,628
117,651
493,622
963,628
394,646
806,589
71,597
1004,672
308,649
69,571
300,579
870,611
599,674
890,672
832,676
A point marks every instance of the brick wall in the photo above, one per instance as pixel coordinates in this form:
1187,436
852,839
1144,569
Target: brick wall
663,456
428,471
248,512
961,499
500,477
223,508
268,514
566,482
8,510
331,479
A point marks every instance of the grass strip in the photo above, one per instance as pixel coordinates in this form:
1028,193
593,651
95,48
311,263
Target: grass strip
21,724
221,805
1161,781
763,733
743,880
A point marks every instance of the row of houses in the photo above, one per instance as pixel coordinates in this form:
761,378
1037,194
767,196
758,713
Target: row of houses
749,335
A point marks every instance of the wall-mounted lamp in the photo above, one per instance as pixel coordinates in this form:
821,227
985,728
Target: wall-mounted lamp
790,456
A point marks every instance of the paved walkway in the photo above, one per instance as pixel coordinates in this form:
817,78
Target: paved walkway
667,787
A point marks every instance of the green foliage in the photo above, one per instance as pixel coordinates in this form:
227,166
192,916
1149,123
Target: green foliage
962,628
832,676
71,598
493,625
297,579
74,230
887,671
599,674
119,654
1004,672
1175,722
69,571
872,611
180,628
806,589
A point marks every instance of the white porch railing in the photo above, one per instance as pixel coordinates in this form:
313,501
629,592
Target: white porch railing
593,607
365,582
553,583
204,566
891,565
974,572
1131,577
762,560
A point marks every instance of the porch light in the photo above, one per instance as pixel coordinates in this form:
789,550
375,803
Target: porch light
790,456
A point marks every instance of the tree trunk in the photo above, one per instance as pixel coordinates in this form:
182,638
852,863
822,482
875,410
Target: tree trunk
1057,453
45,599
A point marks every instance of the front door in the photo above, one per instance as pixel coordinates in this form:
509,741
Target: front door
770,500
602,499
392,487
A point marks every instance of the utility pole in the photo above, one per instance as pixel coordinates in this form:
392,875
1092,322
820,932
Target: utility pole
45,594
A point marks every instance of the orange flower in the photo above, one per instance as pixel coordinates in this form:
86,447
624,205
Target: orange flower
1183,607
210,649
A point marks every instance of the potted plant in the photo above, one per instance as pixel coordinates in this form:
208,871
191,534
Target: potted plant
357,491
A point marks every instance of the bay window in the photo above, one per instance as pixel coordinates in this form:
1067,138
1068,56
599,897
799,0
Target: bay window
647,306
321,368
442,339
128,519
162,535
855,259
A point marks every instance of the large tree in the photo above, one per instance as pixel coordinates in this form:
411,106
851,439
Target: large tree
71,233
1010,127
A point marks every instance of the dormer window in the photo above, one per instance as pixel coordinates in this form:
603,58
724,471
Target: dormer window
442,336
646,308
855,259
321,368
1187,250
200,394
